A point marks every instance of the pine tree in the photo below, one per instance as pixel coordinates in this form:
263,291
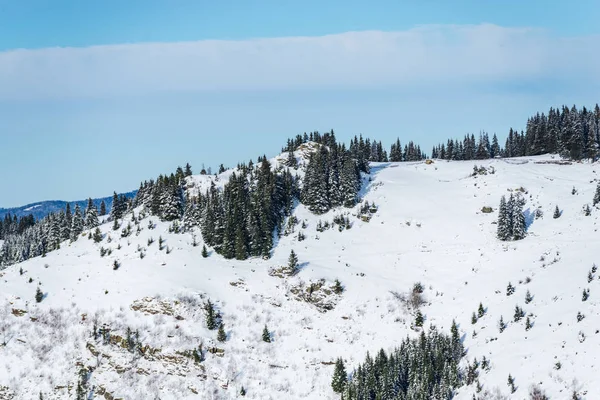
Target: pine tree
519,227
473,318
597,195
340,377
501,324
528,297
266,335
102,208
221,335
77,224
480,311
204,251
528,324
293,262
419,319
91,215
242,392
557,213
211,318
39,296
337,287
97,236
511,384
504,230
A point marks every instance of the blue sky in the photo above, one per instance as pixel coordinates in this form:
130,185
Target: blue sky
96,96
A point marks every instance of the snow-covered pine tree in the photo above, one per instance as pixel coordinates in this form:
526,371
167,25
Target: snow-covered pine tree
91,215
519,227
102,208
556,213
504,226
77,223
340,377
596,195
266,335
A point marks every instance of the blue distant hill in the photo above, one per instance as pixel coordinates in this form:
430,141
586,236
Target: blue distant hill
42,208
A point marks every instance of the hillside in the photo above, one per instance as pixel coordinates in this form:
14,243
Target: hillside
427,227
43,208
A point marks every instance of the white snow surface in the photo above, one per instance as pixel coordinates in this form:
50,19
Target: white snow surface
429,228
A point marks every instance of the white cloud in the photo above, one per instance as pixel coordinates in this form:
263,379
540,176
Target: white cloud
423,56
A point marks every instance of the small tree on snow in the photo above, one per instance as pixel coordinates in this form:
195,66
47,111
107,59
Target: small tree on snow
419,319
266,335
480,311
39,296
597,195
293,261
557,213
97,236
340,377
204,251
221,335
211,318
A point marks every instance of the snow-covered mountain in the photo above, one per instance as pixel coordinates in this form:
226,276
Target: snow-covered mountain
428,224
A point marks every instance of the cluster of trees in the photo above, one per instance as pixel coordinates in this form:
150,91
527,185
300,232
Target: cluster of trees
363,150
46,234
12,225
332,179
511,221
571,132
238,221
468,148
422,368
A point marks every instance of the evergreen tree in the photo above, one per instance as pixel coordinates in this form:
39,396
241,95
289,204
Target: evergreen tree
188,170
210,315
91,215
97,235
242,392
504,230
39,296
102,208
519,227
501,324
597,195
221,335
556,213
480,311
293,262
204,251
77,224
340,377
266,335
419,319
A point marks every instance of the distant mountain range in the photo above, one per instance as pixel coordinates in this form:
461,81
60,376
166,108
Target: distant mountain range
41,209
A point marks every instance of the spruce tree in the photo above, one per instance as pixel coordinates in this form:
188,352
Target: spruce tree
504,230
293,262
91,215
204,251
419,319
39,296
340,377
480,311
266,335
221,335
519,227
243,392
102,208
210,315
556,213
597,195
77,224
97,236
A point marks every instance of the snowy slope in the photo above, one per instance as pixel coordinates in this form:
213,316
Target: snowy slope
429,228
